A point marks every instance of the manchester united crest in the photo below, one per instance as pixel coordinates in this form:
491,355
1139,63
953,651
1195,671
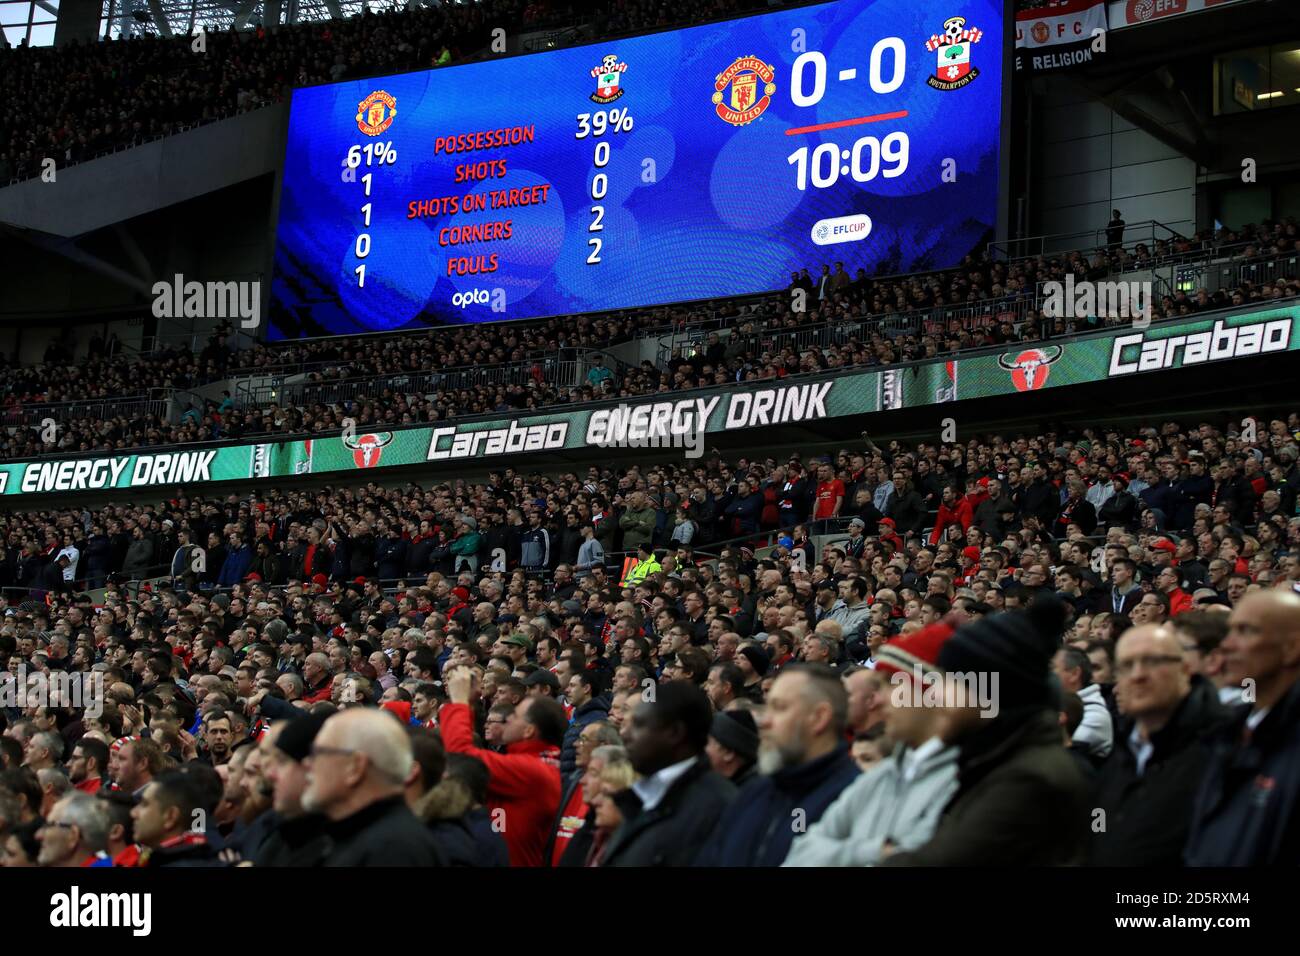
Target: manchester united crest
953,69
744,90
375,113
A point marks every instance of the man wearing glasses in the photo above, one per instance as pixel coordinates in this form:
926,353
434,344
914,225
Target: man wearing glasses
75,834
1146,787
356,774
1152,609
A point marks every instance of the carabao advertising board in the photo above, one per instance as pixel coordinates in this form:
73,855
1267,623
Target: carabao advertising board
1112,355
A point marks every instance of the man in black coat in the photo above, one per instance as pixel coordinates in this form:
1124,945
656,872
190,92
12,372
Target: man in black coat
1190,490
356,777
989,512
51,576
1042,499
1245,811
390,554
669,812
905,506
1076,509
1021,799
296,837
1147,784
1236,493
1121,508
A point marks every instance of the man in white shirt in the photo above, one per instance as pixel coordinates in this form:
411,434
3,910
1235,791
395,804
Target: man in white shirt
74,555
1097,730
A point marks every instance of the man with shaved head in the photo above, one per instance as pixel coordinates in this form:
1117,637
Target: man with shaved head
1245,811
1147,784
356,772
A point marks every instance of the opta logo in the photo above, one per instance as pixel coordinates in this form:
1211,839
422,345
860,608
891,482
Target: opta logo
367,449
375,113
952,69
744,105
1029,369
475,297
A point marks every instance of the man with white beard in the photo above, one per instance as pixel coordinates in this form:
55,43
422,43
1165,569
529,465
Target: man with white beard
804,764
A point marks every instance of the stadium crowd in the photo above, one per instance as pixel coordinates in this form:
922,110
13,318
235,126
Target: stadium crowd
81,100
953,654
847,321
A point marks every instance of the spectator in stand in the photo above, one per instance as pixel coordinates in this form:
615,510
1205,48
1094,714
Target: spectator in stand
182,662
524,782
1241,815
360,760
1115,230
678,801
897,803
1147,785
1021,800
804,763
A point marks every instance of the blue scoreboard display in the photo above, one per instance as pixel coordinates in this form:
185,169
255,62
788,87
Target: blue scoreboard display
692,164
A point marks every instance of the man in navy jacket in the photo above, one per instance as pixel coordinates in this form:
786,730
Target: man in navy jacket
805,764
1245,813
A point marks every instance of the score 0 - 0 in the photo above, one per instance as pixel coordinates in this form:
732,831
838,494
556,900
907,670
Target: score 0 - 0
868,157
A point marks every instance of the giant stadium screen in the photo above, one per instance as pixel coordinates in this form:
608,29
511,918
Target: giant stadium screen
671,167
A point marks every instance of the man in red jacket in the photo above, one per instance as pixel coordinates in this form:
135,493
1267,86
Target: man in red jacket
954,510
1169,582
524,787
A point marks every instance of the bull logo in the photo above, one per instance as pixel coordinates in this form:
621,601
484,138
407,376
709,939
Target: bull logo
367,449
1029,369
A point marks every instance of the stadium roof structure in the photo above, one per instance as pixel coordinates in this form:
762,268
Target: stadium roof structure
33,21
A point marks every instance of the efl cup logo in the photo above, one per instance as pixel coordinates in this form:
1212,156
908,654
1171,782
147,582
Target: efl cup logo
1029,369
1141,10
367,449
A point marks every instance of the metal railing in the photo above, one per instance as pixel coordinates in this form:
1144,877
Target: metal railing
34,415
1028,247
331,367
842,331
194,341
1215,275
559,372
554,38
